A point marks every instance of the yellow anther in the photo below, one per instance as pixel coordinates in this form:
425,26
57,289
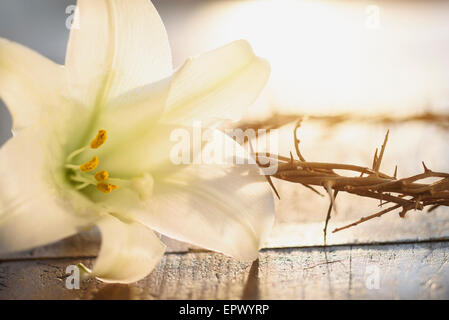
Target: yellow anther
106,187
89,165
101,175
99,140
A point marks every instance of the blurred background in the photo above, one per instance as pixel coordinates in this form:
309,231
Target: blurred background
369,58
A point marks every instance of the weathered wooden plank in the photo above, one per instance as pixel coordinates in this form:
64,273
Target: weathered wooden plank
415,271
417,226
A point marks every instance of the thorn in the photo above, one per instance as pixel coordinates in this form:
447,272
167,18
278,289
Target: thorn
313,189
363,219
297,141
403,212
425,168
433,208
375,160
328,217
382,150
395,172
291,157
328,187
272,186
266,177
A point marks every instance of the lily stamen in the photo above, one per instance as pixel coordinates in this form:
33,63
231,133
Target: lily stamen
106,187
75,153
101,176
82,186
99,179
96,143
90,165
82,178
99,140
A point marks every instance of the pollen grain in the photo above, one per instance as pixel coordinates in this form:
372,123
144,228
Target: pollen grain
99,140
89,165
106,187
101,175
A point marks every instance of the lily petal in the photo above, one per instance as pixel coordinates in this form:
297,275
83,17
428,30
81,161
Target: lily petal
128,253
29,83
130,117
33,210
149,152
120,45
216,85
227,208
225,211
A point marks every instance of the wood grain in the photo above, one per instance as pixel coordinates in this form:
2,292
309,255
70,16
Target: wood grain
412,271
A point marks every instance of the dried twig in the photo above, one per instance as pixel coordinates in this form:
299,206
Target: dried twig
328,216
406,193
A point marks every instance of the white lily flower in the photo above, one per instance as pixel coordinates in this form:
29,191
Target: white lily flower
91,144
